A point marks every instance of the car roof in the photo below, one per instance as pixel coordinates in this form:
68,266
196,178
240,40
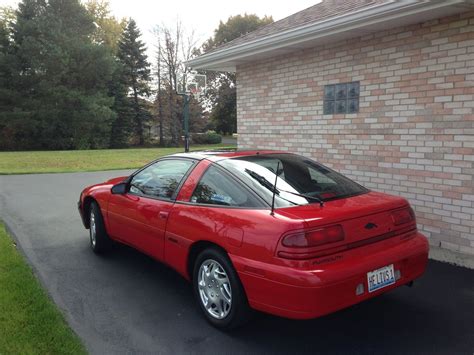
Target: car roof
219,154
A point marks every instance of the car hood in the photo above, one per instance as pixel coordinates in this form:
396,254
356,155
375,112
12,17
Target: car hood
107,184
115,180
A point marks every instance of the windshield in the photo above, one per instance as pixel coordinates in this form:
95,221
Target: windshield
300,180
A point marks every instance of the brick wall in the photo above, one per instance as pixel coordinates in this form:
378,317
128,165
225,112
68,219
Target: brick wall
414,133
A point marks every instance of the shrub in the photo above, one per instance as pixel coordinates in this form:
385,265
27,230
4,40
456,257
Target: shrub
210,137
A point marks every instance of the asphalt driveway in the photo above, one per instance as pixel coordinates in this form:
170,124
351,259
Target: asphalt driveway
127,303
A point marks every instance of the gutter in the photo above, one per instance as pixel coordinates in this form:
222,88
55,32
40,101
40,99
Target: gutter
226,57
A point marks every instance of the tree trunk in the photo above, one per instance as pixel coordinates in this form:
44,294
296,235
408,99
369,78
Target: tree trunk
160,113
138,119
171,104
174,136
160,103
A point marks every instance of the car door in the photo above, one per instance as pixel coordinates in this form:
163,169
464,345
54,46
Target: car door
139,217
216,207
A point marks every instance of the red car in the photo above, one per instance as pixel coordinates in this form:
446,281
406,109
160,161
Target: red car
263,230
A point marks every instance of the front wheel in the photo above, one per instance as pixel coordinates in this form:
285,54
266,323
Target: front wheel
219,291
99,240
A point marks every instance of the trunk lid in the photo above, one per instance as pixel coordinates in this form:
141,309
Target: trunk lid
363,218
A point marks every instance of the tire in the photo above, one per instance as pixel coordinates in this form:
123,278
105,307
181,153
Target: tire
99,240
215,280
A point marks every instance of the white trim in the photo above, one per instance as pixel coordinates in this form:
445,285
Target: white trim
365,17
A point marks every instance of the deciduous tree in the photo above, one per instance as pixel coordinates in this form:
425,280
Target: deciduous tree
221,86
174,47
108,29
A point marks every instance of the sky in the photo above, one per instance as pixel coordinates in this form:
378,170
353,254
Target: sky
202,16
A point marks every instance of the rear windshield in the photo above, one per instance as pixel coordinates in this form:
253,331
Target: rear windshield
300,180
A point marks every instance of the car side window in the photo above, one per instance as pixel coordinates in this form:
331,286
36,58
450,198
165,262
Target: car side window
160,179
216,188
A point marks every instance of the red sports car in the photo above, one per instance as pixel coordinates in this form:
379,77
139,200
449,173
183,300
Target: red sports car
264,230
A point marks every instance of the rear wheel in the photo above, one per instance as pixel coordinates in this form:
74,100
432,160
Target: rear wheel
99,240
219,291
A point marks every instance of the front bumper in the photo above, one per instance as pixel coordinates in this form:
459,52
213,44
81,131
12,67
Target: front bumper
326,288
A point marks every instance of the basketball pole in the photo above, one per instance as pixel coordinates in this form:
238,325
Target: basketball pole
186,122
186,99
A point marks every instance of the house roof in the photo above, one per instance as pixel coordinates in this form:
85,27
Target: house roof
329,20
321,11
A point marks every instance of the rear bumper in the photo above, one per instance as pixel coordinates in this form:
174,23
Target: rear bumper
330,286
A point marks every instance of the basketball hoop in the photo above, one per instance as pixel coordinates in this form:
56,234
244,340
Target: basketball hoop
195,92
191,83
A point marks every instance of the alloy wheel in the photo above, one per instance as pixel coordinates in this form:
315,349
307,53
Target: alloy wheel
214,289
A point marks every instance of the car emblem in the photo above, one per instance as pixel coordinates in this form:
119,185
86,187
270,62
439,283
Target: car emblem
370,225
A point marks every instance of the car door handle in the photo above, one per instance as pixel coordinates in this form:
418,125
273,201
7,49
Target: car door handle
164,215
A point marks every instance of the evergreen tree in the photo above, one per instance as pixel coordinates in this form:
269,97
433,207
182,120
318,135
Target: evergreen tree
18,127
4,55
122,125
5,83
60,77
136,75
79,72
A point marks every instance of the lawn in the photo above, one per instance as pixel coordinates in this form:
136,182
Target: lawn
29,321
85,160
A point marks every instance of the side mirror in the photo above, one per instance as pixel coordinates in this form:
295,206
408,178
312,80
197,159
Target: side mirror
119,189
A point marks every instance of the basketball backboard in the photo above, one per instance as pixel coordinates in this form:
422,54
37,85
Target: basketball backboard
191,83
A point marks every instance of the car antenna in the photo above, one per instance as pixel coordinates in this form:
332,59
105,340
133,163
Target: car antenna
274,189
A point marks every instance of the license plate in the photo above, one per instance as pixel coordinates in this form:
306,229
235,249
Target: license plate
380,278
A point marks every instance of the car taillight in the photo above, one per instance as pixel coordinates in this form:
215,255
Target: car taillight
403,216
314,238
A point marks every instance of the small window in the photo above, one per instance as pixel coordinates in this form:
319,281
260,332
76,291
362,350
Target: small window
341,98
160,179
216,188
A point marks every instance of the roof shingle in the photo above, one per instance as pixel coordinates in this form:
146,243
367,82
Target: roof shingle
319,12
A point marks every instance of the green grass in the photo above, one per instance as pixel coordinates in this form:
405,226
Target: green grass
29,321
85,160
